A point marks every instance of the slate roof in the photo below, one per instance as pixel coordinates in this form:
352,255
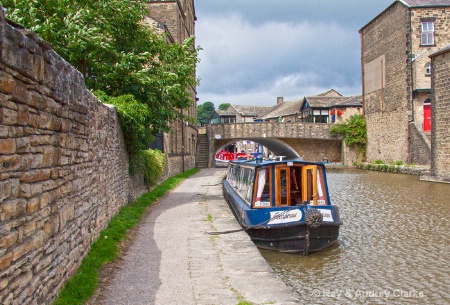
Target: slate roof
245,111
440,51
412,4
226,112
253,111
426,3
332,101
283,109
330,92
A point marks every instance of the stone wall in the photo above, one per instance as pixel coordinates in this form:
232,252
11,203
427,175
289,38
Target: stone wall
386,84
440,121
421,154
63,168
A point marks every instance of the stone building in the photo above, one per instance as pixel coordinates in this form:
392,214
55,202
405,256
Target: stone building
324,108
177,18
327,107
440,135
396,78
238,114
283,111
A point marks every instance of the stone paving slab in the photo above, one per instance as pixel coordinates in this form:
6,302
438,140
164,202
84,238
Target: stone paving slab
173,260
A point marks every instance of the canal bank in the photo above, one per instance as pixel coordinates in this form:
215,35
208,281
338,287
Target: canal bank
172,259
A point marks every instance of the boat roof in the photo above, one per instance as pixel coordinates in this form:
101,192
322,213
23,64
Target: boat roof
258,163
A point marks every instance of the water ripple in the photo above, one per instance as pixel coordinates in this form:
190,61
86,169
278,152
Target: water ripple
393,246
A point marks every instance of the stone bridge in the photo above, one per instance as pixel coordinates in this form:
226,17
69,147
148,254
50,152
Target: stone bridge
310,141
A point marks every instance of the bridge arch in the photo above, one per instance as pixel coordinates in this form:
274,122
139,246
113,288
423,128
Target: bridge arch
278,147
310,141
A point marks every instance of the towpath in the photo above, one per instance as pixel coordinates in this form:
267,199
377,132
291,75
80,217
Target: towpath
172,260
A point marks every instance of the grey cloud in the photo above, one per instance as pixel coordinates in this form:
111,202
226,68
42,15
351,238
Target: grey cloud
243,59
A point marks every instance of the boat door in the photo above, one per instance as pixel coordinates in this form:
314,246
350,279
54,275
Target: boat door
309,184
282,185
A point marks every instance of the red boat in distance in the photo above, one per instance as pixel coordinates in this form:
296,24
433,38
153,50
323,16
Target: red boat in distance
226,156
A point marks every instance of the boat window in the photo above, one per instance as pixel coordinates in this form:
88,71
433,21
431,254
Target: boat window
263,194
245,183
284,186
296,183
232,175
309,184
321,188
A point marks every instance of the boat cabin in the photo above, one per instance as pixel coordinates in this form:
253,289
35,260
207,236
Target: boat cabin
277,184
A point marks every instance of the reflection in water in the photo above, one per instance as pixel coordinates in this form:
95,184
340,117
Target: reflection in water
393,248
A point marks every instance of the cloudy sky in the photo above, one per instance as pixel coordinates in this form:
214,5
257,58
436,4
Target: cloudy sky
256,50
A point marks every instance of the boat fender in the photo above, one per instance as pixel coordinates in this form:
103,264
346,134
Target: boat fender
313,218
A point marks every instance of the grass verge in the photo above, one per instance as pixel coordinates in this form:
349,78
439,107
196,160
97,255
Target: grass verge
80,288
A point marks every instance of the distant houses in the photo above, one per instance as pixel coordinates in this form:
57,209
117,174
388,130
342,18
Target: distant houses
327,107
238,114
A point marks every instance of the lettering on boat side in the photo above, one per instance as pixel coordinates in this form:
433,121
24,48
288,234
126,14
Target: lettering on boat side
327,216
262,204
285,216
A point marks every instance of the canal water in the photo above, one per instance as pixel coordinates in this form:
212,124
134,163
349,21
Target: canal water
394,246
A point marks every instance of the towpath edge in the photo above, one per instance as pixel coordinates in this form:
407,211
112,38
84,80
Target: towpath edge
172,260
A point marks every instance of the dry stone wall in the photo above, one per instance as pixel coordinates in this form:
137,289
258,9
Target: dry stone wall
63,168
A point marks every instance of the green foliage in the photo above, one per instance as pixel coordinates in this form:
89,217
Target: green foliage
135,117
353,131
224,106
379,162
399,163
204,111
82,285
117,52
150,163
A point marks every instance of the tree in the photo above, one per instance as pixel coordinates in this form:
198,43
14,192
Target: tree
116,51
224,106
204,111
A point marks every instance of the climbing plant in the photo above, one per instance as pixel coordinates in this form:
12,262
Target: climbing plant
353,132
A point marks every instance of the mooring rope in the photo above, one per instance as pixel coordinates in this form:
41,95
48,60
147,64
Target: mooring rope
257,225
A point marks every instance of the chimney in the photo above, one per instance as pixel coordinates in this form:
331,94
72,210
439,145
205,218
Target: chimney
279,100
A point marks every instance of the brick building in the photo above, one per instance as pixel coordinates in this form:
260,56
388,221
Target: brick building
396,78
177,18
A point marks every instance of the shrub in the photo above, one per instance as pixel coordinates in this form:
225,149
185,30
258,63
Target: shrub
379,162
353,132
135,119
150,163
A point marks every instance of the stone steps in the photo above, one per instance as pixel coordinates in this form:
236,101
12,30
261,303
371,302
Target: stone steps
202,151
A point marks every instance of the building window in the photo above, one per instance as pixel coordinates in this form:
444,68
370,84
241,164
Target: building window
228,120
320,116
427,33
428,69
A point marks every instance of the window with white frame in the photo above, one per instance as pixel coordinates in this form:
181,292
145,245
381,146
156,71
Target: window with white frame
427,37
428,69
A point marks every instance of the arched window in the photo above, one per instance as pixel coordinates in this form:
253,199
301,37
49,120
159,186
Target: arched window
428,69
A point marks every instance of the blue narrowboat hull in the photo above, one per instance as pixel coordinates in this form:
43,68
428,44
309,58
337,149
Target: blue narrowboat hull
284,236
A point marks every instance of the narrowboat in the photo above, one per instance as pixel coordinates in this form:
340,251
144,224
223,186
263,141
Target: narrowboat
225,156
283,205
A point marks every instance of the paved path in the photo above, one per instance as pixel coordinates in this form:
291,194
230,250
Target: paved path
173,261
